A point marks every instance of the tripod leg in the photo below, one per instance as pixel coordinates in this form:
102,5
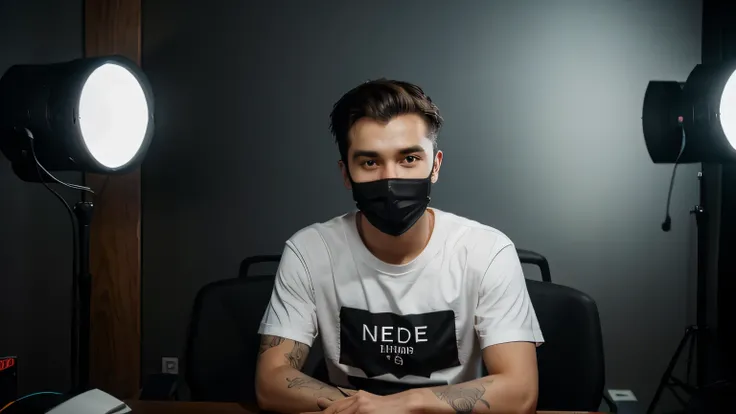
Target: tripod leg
693,344
670,367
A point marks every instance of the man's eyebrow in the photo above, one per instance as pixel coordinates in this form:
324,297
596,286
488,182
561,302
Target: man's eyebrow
374,154
363,153
411,150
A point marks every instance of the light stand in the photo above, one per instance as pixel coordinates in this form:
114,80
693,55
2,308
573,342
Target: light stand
700,336
692,122
82,285
696,336
88,115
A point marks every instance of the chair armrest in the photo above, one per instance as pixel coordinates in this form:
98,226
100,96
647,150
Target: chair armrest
160,387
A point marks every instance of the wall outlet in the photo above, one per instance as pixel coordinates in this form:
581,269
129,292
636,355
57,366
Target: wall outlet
170,365
622,395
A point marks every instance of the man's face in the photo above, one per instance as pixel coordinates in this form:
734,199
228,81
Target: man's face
397,149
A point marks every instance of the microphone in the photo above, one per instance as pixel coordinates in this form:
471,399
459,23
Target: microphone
667,223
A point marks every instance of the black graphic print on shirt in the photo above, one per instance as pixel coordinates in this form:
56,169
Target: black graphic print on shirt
381,343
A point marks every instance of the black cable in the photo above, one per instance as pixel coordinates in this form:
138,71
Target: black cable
667,223
41,167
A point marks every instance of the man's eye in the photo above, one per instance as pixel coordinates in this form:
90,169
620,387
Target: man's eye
369,163
411,158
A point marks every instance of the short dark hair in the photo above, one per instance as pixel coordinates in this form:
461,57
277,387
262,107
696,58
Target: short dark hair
381,100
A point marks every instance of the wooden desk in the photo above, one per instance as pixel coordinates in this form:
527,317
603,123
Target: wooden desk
182,407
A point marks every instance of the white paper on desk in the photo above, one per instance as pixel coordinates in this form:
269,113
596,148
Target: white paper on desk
92,402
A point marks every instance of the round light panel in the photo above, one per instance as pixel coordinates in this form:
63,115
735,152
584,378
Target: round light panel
727,115
113,115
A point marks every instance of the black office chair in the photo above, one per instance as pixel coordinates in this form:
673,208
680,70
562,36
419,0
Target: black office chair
571,361
223,341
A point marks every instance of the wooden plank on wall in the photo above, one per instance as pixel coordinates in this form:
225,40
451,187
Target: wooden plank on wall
114,27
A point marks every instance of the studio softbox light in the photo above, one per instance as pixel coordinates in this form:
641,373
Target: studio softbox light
93,115
704,106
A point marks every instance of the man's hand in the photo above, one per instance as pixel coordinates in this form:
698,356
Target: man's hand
366,403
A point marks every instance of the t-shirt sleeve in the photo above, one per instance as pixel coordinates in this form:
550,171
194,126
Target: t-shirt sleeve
291,312
505,312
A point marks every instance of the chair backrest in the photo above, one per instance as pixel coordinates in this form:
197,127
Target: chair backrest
530,257
222,345
249,261
223,341
571,361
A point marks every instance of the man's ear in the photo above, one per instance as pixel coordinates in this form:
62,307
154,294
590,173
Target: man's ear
436,167
345,174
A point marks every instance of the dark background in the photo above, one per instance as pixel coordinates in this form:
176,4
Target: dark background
542,103
35,229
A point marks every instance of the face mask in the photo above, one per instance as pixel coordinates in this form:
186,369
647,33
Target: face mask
393,205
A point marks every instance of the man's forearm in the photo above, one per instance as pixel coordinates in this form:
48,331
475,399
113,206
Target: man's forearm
287,390
493,394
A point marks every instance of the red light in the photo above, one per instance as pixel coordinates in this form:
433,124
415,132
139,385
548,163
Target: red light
6,363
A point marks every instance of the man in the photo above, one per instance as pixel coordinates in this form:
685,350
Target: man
408,301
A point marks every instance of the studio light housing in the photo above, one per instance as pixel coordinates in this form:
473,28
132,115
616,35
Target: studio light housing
704,106
93,115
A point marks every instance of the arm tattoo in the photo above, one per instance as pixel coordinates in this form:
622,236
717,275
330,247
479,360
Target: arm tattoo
318,388
268,342
297,356
305,383
462,398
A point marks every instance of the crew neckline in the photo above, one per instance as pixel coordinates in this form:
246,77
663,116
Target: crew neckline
361,252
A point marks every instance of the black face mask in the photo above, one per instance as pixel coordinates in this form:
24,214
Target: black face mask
393,205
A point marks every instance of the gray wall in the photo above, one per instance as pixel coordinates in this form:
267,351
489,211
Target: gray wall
542,102
35,229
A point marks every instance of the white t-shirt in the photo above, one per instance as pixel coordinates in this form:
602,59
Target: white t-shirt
385,328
